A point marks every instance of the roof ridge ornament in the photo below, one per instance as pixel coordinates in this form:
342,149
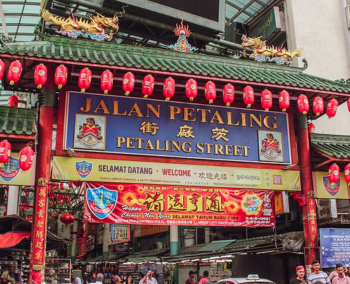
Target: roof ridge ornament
182,45
264,53
96,29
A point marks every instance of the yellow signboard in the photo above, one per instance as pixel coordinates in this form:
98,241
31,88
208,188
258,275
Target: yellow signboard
11,174
325,189
116,171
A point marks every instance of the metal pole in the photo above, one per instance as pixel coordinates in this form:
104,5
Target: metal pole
174,239
3,22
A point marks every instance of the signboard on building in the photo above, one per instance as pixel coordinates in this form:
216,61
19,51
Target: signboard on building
11,174
172,205
90,243
335,247
120,233
66,168
134,126
323,188
146,230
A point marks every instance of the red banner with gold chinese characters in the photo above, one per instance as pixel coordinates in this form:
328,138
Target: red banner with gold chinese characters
174,205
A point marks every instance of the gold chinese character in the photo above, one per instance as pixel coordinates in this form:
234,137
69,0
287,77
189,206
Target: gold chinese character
154,202
185,131
148,127
214,203
40,224
219,134
195,202
38,256
41,213
39,245
176,202
42,192
41,203
39,234
313,229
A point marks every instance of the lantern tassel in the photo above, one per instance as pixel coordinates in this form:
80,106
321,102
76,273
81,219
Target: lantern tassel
284,109
329,117
145,96
191,99
210,101
105,92
167,99
305,112
227,104
248,106
318,114
12,82
127,93
266,109
39,86
59,86
82,90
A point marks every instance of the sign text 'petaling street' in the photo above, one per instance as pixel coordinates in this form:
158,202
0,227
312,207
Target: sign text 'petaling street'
152,127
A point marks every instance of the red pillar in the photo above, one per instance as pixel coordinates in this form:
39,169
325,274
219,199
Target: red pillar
309,210
40,210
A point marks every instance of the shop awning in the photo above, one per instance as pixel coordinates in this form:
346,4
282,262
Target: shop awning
145,256
11,239
216,245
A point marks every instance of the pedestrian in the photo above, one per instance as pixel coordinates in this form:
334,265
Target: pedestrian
115,279
99,278
77,280
6,279
129,279
15,276
317,275
300,278
148,279
204,279
155,274
93,278
140,277
341,278
190,280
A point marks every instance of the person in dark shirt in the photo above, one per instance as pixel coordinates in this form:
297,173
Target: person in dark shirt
300,279
190,280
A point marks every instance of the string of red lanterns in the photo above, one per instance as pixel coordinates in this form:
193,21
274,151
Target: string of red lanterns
26,155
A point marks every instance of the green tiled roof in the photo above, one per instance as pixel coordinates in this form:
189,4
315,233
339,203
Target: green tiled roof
19,121
216,245
250,243
191,249
337,146
110,53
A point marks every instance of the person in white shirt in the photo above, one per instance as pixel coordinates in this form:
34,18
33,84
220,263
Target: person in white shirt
141,277
148,279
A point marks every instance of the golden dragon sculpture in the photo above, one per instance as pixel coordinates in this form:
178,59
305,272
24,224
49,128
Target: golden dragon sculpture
260,48
96,25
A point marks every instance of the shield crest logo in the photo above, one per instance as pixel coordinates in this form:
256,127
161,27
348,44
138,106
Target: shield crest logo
332,188
9,170
83,168
101,201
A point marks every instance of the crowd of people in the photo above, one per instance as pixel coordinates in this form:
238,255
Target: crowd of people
338,276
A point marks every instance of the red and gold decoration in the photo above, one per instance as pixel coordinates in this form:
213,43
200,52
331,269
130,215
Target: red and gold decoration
84,81
228,95
333,173
347,174
248,96
106,81
15,71
5,151
312,222
284,100
67,218
318,106
164,205
2,69
266,99
312,127
147,86
191,89
210,91
182,45
303,104
40,75
61,75
26,157
128,83
169,88
13,101
332,107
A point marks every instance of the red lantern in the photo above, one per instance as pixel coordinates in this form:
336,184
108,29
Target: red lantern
68,199
347,174
26,157
318,106
14,72
61,186
61,75
128,83
70,184
106,81
67,218
333,173
283,99
5,151
266,99
248,96
60,202
348,102
2,69
169,88
229,94
147,85
311,127
303,104
191,89
332,107
40,75
53,203
12,101
84,81
210,91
